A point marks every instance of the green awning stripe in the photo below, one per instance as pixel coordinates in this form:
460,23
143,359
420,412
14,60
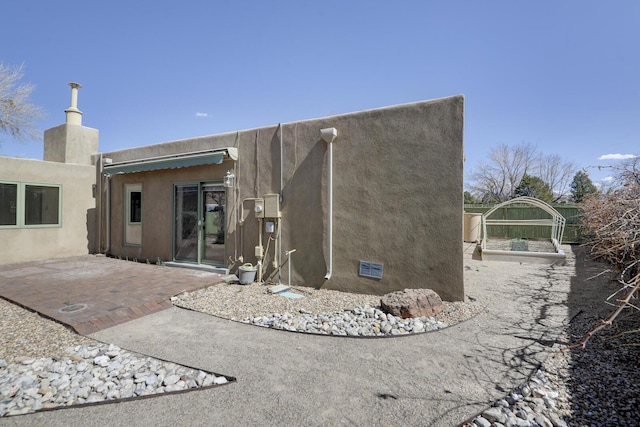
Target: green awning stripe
167,163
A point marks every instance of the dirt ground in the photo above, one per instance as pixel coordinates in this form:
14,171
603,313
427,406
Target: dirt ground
602,378
530,245
595,291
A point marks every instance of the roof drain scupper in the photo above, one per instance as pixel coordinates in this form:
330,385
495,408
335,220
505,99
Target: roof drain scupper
329,135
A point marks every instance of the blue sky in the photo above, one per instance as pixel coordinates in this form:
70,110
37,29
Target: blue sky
562,75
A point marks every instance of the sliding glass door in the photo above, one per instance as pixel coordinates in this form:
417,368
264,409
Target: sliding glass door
199,230
213,203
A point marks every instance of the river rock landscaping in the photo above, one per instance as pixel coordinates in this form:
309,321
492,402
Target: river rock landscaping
91,374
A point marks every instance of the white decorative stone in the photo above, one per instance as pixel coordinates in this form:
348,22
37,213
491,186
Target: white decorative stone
220,380
90,374
171,379
101,360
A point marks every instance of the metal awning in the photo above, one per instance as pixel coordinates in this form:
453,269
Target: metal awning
209,157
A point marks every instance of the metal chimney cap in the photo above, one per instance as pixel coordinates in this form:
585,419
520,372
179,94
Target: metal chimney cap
75,85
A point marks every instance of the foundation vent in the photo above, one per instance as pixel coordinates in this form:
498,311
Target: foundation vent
371,269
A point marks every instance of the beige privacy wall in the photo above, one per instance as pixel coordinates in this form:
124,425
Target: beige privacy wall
75,235
397,196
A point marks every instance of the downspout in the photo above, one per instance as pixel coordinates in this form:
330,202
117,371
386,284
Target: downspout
98,196
281,162
329,135
108,214
107,196
261,255
235,203
278,256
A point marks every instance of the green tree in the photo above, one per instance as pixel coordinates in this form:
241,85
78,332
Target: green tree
581,186
17,114
533,186
469,199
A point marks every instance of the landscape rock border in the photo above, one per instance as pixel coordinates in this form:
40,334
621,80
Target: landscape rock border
95,375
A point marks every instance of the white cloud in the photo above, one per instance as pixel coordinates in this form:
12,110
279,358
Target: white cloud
607,179
202,114
617,156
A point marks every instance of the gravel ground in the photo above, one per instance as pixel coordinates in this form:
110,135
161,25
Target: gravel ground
594,386
238,302
603,379
25,334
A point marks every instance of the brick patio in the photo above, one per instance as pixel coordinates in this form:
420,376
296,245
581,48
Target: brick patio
91,293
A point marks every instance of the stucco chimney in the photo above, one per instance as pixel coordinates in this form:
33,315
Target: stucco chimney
74,116
71,142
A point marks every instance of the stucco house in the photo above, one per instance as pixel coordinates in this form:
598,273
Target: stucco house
366,202
47,208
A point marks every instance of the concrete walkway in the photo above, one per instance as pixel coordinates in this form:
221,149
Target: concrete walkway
290,379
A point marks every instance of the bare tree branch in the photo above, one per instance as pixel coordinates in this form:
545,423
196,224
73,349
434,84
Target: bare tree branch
611,225
622,304
17,114
557,173
497,179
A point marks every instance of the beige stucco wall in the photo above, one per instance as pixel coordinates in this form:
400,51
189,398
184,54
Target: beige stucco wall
157,208
69,143
75,236
398,185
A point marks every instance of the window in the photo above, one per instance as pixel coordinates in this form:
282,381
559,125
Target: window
135,211
8,204
25,205
41,205
133,214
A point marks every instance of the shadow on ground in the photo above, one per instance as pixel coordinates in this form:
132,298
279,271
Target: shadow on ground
604,377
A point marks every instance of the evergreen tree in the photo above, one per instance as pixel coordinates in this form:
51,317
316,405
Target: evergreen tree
533,186
469,199
581,186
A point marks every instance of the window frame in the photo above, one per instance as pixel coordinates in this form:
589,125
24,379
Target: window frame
21,205
18,206
133,208
135,228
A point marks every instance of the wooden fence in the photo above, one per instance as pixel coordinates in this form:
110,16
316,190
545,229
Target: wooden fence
570,212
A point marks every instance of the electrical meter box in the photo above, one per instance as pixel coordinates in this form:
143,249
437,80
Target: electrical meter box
258,208
272,206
